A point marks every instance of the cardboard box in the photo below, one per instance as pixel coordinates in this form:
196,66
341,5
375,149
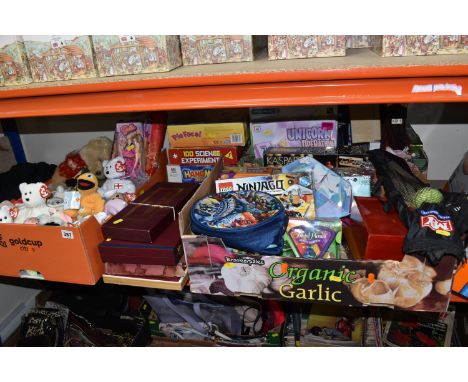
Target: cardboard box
65,254
215,269
293,134
282,47
358,41
14,68
215,49
204,155
207,134
131,54
418,45
295,191
453,44
187,174
58,58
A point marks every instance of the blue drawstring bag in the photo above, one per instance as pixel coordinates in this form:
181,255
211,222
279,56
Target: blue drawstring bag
251,221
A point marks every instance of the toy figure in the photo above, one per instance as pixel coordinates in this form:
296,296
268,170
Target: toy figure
90,156
114,170
91,202
34,196
8,212
129,145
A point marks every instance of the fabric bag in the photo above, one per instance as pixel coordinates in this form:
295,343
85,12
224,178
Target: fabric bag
252,221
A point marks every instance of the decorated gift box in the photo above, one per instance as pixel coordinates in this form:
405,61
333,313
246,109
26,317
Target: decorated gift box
131,54
282,47
321,134
215,49
14,69
419,45
57,58
358,41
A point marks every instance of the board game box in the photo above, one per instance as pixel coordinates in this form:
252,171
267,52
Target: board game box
204,155
293,134
187,174
294,190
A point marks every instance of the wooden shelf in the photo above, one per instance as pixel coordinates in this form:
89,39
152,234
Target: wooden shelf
360,77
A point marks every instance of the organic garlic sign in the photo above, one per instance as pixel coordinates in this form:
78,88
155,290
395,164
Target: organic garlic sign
299,276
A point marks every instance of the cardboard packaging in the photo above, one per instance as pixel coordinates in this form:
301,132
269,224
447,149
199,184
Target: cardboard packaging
131,54
215,49
293,134
358,41
282,47
204,155
219,270
295,191
187,174
14,68
453,44
207,135
164,250
52,253
418,45
58,58
380,236
318,239
144,219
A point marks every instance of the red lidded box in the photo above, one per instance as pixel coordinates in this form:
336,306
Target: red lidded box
380,235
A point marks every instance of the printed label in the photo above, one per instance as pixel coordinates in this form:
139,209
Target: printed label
435,224
397,121
67,234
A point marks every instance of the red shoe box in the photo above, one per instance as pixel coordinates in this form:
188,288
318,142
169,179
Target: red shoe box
379,236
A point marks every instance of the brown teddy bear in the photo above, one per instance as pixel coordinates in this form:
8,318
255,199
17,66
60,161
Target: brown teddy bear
89,156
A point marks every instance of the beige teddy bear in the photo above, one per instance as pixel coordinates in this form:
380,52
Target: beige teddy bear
89,156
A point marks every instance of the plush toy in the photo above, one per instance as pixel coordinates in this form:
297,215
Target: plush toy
8,212
116,204
34,196
90,202
114,171
89,156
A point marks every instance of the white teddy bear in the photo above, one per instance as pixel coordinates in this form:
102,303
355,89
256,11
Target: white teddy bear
114,170
34,196
8,212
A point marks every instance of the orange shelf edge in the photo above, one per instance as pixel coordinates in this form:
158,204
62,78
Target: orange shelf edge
98,85
366,91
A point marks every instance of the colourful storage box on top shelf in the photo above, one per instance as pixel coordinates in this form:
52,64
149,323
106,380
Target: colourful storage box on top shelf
131,54
57,58
282,47
419,45
215,49
14,68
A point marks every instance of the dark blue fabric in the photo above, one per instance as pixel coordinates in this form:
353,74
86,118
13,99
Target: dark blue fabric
265,238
